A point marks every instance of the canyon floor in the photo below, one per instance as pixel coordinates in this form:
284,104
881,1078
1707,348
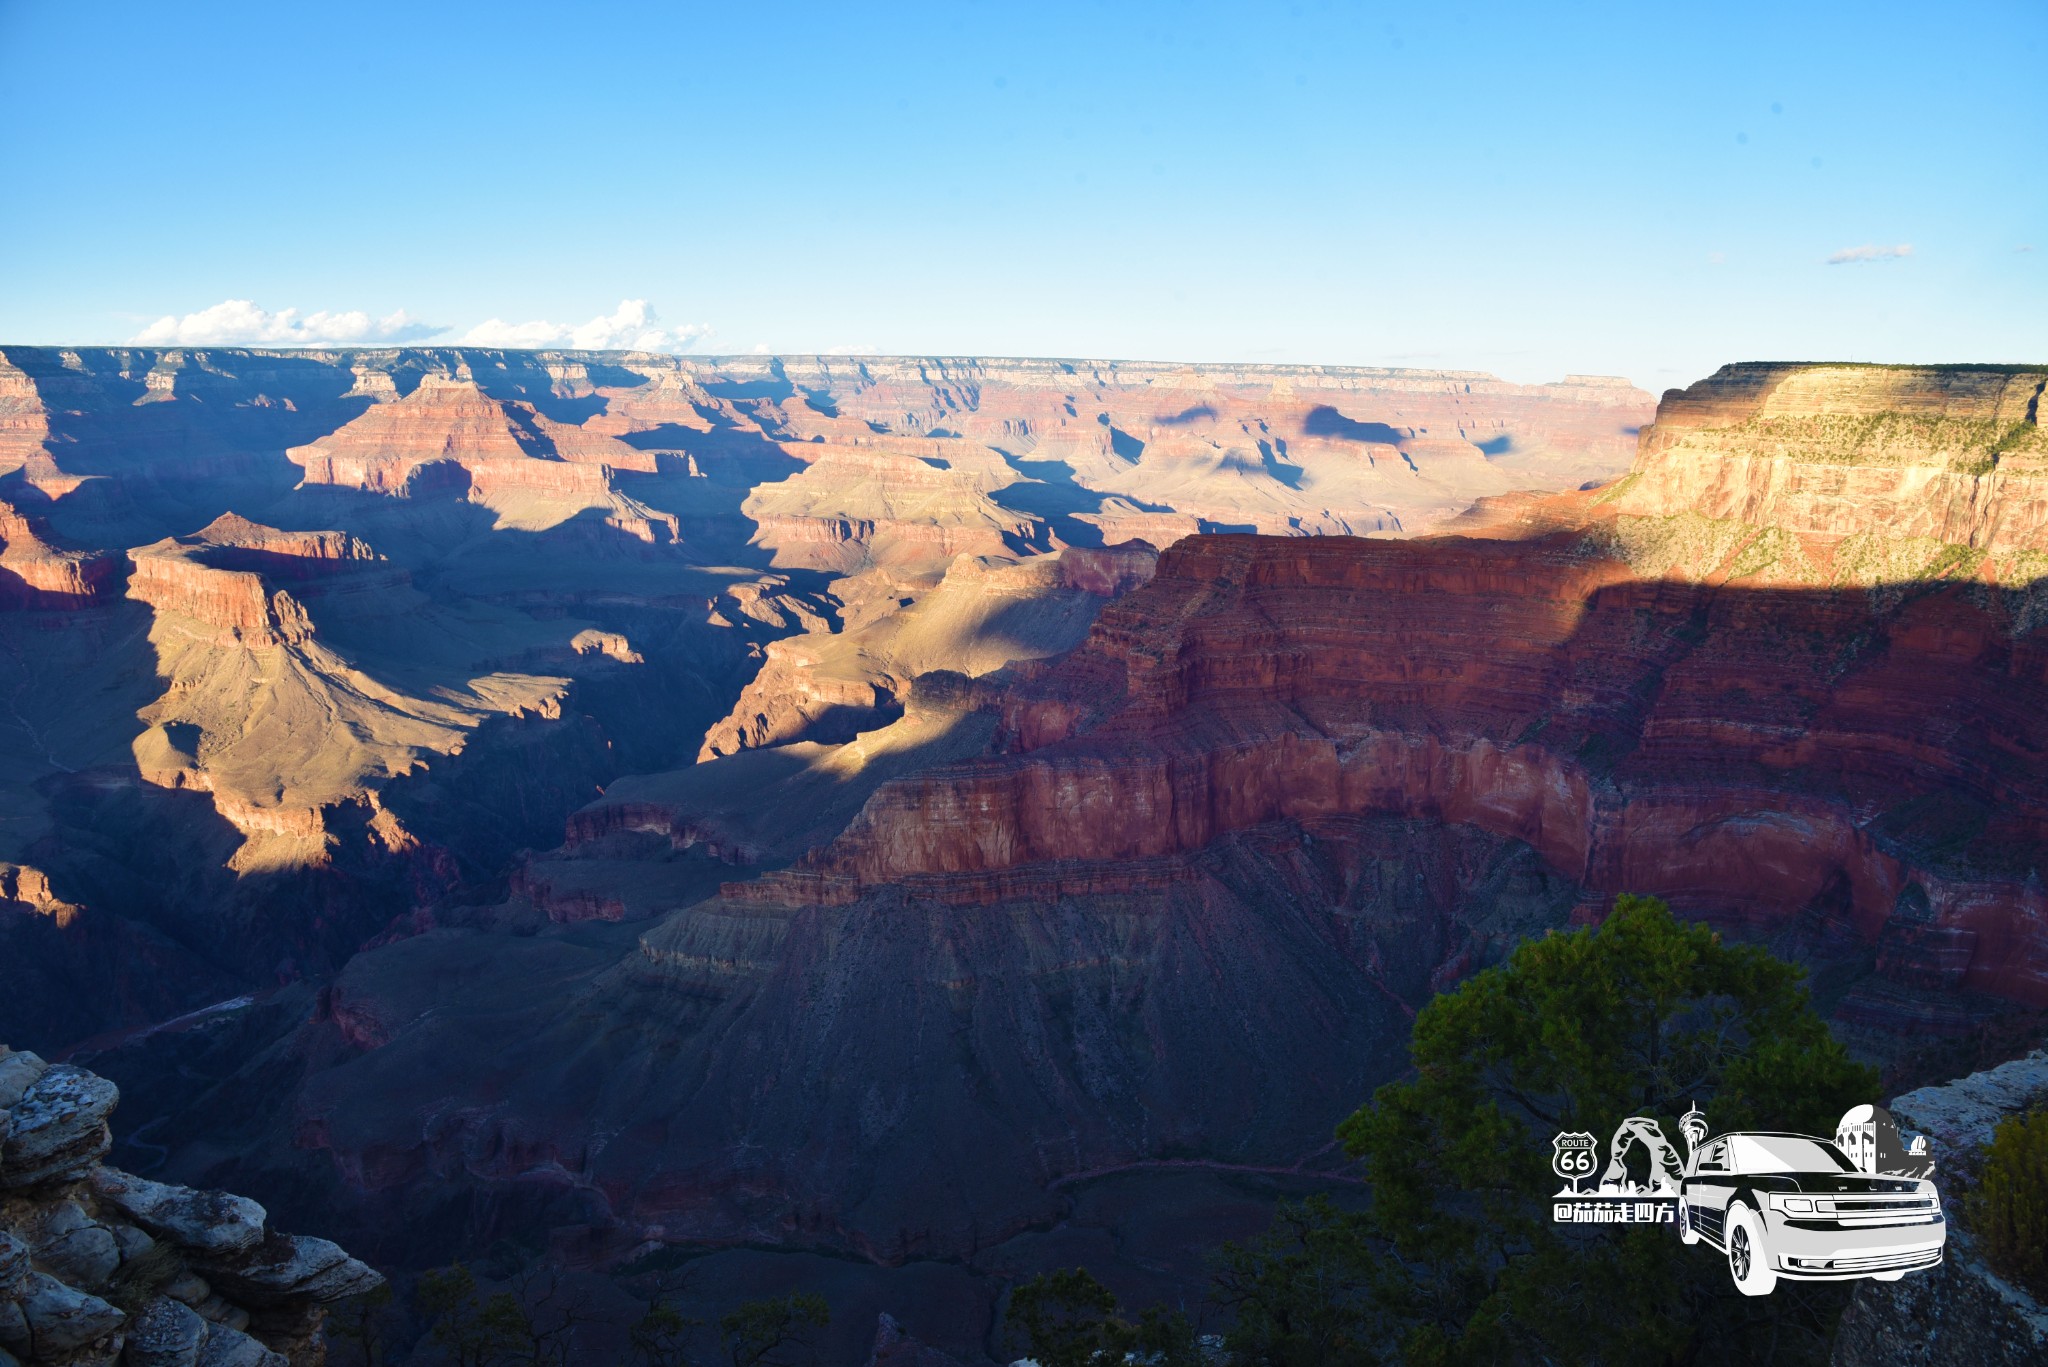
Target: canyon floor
893,825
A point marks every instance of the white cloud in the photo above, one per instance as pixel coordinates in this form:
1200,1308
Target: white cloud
1851,256
633,326
498,332
239,322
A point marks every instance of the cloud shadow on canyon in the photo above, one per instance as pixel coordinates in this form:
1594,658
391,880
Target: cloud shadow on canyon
1325,421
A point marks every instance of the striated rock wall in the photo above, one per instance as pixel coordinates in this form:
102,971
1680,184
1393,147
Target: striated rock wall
36,575
175,576
770,1073
1855,472
449,436
1736,750
442,419
853,506
98,1265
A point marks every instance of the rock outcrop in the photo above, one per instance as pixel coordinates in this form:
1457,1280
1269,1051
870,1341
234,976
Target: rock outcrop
1843,474
267,717
29,889
216,578
449,437
987,612
852,507
34,574
1961,1313
99,1266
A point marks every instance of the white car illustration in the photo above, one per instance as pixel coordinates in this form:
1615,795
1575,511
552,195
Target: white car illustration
1790,1205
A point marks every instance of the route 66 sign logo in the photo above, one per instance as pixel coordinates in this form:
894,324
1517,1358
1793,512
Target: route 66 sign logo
1576,1155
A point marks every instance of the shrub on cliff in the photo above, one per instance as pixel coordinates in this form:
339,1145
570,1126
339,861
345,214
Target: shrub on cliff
475,1328
770,1333
2009,1208
1457,1260
1066,1318
1303,1292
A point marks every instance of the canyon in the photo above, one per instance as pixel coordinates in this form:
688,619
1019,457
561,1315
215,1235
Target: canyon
912,823
296,647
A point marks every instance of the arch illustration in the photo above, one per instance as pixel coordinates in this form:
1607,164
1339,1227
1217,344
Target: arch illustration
1666,1170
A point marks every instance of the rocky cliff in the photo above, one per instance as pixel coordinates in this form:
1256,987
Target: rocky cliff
263,714
1844,474
1183,900
1962,1312
983,614
1740,751
34,574
99,1265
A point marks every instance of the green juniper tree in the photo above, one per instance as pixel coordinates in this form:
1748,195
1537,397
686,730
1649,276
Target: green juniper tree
1063,1317
1456,1261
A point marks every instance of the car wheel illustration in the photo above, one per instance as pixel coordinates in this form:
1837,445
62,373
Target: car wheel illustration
1687,1234
1748,1263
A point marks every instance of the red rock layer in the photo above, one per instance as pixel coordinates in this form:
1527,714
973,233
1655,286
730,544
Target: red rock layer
453,420
216,577
1743,752
24,423
441,420
36,575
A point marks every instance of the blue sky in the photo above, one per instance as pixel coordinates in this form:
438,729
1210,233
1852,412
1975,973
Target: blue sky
1647,190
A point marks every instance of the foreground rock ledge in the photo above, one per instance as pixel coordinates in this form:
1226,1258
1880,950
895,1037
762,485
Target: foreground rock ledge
1961,1314
99,1266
